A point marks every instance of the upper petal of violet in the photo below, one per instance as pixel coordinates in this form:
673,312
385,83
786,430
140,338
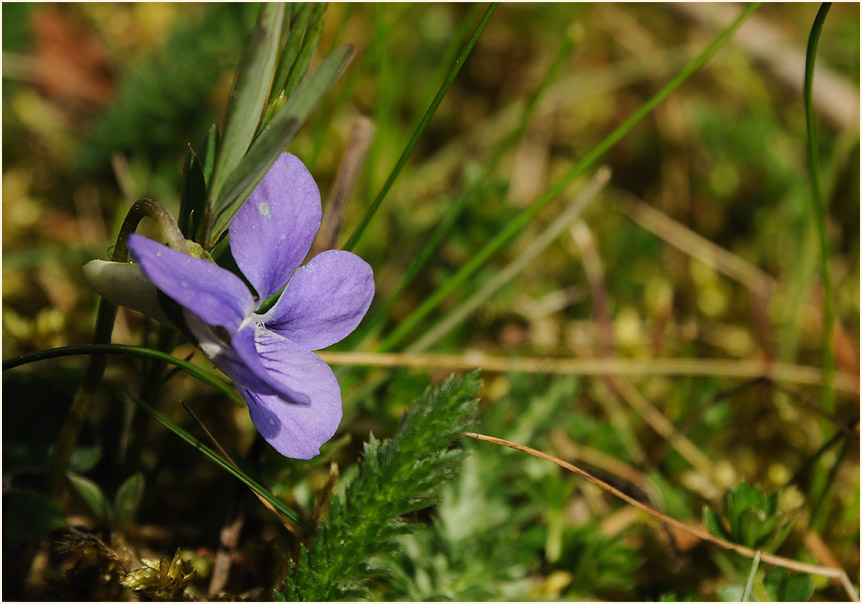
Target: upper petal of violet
324,301
214,294
273,230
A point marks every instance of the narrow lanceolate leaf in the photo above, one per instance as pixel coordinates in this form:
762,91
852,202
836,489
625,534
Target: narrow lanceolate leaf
309,44
193,195
274,138
128,498
298,24
250,93
92,497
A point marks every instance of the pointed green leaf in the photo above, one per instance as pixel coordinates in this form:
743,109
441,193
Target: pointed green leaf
91,496
209,151
713,523
193,195
275,137
781,534
250,93
299,22
309,44
128,499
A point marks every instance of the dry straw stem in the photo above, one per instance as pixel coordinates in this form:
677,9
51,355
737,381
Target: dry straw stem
665,428
825,571
351,165
731,368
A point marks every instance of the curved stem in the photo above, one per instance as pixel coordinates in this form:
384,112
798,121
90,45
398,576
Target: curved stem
105,317
100,350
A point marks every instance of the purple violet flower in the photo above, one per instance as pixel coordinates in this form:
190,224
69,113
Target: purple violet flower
293,397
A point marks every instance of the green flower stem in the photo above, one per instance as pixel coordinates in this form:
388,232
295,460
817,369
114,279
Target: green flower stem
820,488
432,109
105,317
521,220
820,212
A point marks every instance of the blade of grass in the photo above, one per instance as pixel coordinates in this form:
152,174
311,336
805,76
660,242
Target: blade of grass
522,219
121,349
819,211
414,139
451,216
517,266
225,465
820,485
749,585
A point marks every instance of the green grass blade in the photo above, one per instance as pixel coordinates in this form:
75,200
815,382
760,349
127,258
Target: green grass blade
275,137
749,585
414,139
819,211
66,351
250,93
225,465
521,220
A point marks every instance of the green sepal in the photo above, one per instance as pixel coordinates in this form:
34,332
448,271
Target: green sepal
91,496
274,138
209,151
128,498
250,93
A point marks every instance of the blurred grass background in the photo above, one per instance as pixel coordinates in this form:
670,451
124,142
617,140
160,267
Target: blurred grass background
101,99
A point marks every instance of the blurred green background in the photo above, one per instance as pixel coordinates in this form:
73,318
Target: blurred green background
100,101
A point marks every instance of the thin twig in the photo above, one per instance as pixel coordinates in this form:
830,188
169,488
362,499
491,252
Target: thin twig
748,552
730,368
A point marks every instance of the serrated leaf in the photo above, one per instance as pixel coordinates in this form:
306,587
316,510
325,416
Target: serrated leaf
91,496
250,93
274,138
713,523
128,498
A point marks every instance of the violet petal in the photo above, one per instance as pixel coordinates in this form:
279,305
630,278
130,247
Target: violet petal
273,230
324,301
294,430
257,370
214,294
